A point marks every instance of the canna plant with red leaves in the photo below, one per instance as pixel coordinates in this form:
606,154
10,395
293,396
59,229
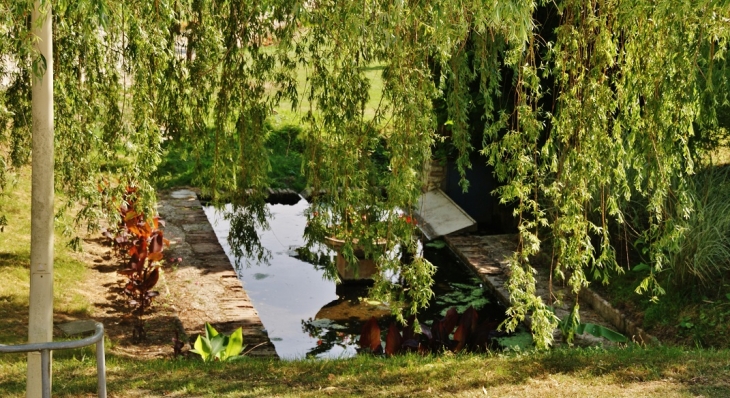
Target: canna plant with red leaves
453,332
141,243
370,337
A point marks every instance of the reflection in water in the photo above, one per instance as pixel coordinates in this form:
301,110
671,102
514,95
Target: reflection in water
293,291
244,225
304,313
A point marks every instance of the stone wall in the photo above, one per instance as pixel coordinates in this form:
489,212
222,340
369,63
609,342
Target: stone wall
434,173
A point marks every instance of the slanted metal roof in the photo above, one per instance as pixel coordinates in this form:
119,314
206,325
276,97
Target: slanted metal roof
438,215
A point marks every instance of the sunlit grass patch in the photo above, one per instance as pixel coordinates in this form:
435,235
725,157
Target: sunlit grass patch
15,265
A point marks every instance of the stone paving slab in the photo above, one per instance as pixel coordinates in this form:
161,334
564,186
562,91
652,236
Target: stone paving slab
225,304
488,256
77,327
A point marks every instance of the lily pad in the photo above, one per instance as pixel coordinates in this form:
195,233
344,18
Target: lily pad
520,341
326,324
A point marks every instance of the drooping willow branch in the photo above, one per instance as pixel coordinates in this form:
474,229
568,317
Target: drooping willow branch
582,107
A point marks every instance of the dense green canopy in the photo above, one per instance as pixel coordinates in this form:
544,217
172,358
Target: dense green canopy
586,106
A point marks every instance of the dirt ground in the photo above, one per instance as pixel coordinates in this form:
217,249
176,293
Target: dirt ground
103,287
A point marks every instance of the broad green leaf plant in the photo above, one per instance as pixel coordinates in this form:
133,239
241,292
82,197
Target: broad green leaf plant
586,107
218,347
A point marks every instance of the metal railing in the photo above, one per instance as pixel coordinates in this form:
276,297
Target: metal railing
46,348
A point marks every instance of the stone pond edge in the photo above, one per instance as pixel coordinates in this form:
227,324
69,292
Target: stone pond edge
494,278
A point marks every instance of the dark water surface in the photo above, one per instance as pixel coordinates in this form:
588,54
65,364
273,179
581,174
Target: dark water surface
306,315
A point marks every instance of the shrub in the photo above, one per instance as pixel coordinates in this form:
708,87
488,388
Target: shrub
141,243
702,250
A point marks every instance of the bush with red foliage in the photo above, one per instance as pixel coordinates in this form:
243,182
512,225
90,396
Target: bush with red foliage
140,242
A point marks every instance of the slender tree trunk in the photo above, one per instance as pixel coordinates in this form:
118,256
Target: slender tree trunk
40,323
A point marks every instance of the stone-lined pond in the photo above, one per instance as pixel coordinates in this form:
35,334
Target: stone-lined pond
306,315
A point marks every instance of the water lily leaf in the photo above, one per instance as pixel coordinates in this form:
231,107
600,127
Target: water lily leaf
325,323
437,244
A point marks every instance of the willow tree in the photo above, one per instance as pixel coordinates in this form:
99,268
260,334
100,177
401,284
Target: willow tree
581,116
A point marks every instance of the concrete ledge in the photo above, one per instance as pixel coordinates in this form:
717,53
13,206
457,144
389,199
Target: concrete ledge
622,323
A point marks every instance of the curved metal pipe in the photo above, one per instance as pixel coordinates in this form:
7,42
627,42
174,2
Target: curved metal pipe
46,348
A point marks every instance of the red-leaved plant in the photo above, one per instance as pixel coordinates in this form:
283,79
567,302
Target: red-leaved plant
453,332
141,244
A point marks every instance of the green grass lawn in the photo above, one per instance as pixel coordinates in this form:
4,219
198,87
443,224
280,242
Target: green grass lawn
630,372
286,115
15,266
283,129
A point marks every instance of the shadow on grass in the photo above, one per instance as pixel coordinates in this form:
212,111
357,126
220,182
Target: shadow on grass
413,376
595,372
13,320
14,260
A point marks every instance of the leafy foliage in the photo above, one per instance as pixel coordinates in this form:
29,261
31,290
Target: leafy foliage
571,326
587,107
700,252
464,295
218,347
601,331
142,244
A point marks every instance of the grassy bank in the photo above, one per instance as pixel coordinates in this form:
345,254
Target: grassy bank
666,372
